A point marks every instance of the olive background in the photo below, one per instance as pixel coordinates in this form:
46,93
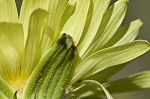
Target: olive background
136,9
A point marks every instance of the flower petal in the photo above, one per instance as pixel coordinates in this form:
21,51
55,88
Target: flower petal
125,34
134,82
56,8
11,49
75,24
55,29
9,64
27,8
8,11
12,33
111,21
90,31
109,57
104,75
33,49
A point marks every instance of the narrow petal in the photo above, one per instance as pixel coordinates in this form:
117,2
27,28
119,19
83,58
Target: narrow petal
125,33
109,57
99,8
54,33
104,75
109,25
8,11
134,82
33,49
75,24
56,8
27,8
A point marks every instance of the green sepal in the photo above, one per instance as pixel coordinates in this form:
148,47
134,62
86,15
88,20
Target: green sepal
6,91
48,79
88,89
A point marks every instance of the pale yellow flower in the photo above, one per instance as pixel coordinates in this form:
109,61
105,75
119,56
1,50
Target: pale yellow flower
30,41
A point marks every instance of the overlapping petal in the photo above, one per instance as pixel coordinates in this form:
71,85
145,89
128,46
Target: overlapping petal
91,28
102,45
111,21
56,8
125,33
8,11
75,24
27,8
109,57
33,50
11,50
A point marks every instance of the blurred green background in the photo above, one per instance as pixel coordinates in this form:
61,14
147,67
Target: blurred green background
136,9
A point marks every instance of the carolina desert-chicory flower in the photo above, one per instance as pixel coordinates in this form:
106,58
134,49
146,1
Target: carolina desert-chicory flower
39,47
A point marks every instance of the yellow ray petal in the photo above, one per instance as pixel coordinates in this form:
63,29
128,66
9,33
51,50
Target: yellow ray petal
111,21
90,31
75,24
8,11
11,50
28,6
33,49
109,57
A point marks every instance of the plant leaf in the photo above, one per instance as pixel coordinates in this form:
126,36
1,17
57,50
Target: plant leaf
134,82
109,57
